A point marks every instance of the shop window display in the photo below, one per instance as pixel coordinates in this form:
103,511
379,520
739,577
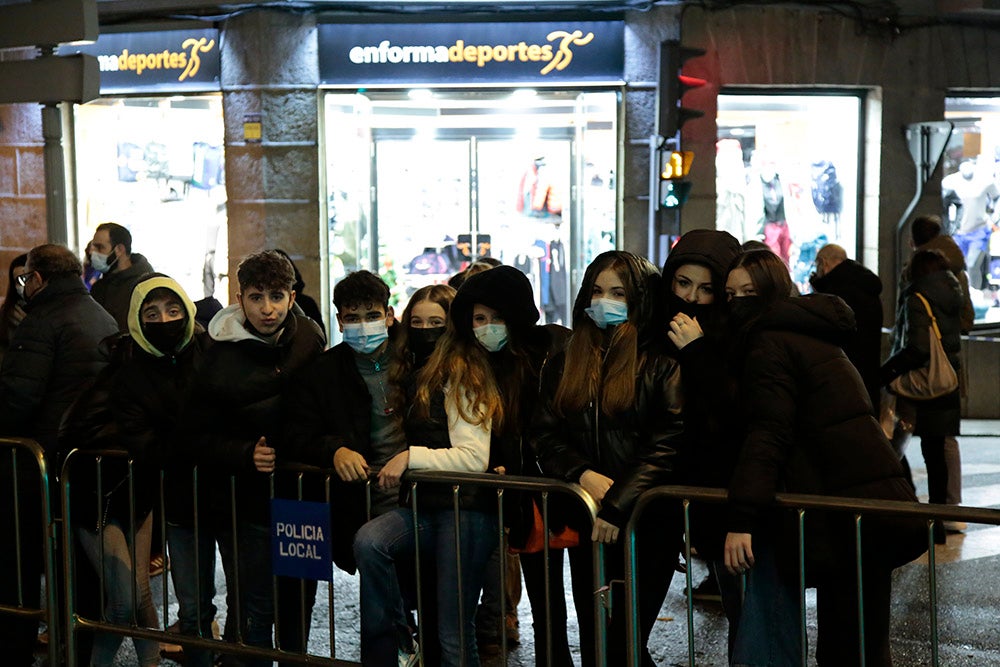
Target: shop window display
787,172
156,166
970,192
524,177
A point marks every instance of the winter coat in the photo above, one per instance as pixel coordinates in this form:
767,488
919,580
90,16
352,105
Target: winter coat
134,406
810,430
635,449
54,355
956,263
713,434
114,290
911,346
328,406
861,290
237,400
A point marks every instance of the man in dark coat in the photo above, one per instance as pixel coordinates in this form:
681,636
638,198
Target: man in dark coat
235,414
53,355
111,254
860,289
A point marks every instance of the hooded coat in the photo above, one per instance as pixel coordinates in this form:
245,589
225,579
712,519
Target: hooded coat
711,436
956,263
810,430
134,405
114,290
911,346
237,400
861,290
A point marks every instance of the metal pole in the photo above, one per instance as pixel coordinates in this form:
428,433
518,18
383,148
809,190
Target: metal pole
55,175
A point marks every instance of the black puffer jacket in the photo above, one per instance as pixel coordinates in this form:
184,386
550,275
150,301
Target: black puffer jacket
635,449
810,430
328,406
861,290
911,346
54,355
237,400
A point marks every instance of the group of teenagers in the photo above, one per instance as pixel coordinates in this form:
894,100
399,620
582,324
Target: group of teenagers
712,372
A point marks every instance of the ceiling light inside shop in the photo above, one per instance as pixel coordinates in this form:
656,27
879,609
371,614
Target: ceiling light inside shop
420,94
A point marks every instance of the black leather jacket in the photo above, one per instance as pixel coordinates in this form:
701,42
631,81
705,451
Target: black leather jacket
635,449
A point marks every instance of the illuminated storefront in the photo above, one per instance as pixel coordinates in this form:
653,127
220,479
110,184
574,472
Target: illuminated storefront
149,153
970,190
450,142
787,173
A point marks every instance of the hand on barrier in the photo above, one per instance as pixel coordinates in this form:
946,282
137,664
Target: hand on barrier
391,473
604,532
595,484
263,456
739,554
350,465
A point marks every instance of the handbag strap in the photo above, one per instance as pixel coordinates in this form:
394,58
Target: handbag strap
927,305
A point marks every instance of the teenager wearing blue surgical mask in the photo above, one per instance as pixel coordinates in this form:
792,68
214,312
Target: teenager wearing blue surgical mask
609,418
346,412
472,403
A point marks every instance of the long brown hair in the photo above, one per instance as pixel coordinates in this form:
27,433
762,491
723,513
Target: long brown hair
459,361
768,274
402,364
609,370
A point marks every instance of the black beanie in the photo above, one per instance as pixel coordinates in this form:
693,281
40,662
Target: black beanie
505,289
708,247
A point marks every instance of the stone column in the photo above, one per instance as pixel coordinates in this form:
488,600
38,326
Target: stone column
270,68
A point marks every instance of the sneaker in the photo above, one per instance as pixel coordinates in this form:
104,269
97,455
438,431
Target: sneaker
954,526
404,659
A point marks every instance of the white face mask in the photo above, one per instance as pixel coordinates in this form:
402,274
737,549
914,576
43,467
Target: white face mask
100,261
492,336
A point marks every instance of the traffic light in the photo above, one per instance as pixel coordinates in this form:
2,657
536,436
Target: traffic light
672,86
674,166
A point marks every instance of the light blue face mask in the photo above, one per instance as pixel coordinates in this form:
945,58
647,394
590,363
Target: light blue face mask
366,337
492,336
606,312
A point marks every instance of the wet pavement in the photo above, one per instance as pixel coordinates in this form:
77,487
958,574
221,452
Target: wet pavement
968,587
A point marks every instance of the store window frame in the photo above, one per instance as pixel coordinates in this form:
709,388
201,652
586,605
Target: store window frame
862,95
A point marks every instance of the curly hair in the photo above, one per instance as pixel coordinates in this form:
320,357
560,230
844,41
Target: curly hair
266,270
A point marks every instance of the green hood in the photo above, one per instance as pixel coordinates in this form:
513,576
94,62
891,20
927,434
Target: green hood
139,295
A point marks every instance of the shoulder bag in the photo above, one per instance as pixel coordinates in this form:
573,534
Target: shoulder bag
935,379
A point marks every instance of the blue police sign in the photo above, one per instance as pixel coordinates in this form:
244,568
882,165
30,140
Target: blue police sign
300,539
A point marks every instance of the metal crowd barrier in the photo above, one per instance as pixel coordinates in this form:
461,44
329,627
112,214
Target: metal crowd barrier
75,622
20,448
91,463
502,483
800,503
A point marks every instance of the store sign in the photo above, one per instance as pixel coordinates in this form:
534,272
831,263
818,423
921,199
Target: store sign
143,62
447,53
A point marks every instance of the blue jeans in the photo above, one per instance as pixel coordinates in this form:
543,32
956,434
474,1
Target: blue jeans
769,625
194,585
121,608
255,605
390,539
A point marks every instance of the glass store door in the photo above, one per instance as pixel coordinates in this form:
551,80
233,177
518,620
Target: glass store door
420,183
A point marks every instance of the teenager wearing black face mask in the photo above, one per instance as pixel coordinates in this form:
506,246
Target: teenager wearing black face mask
421,325
694,281
135,405
809,429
